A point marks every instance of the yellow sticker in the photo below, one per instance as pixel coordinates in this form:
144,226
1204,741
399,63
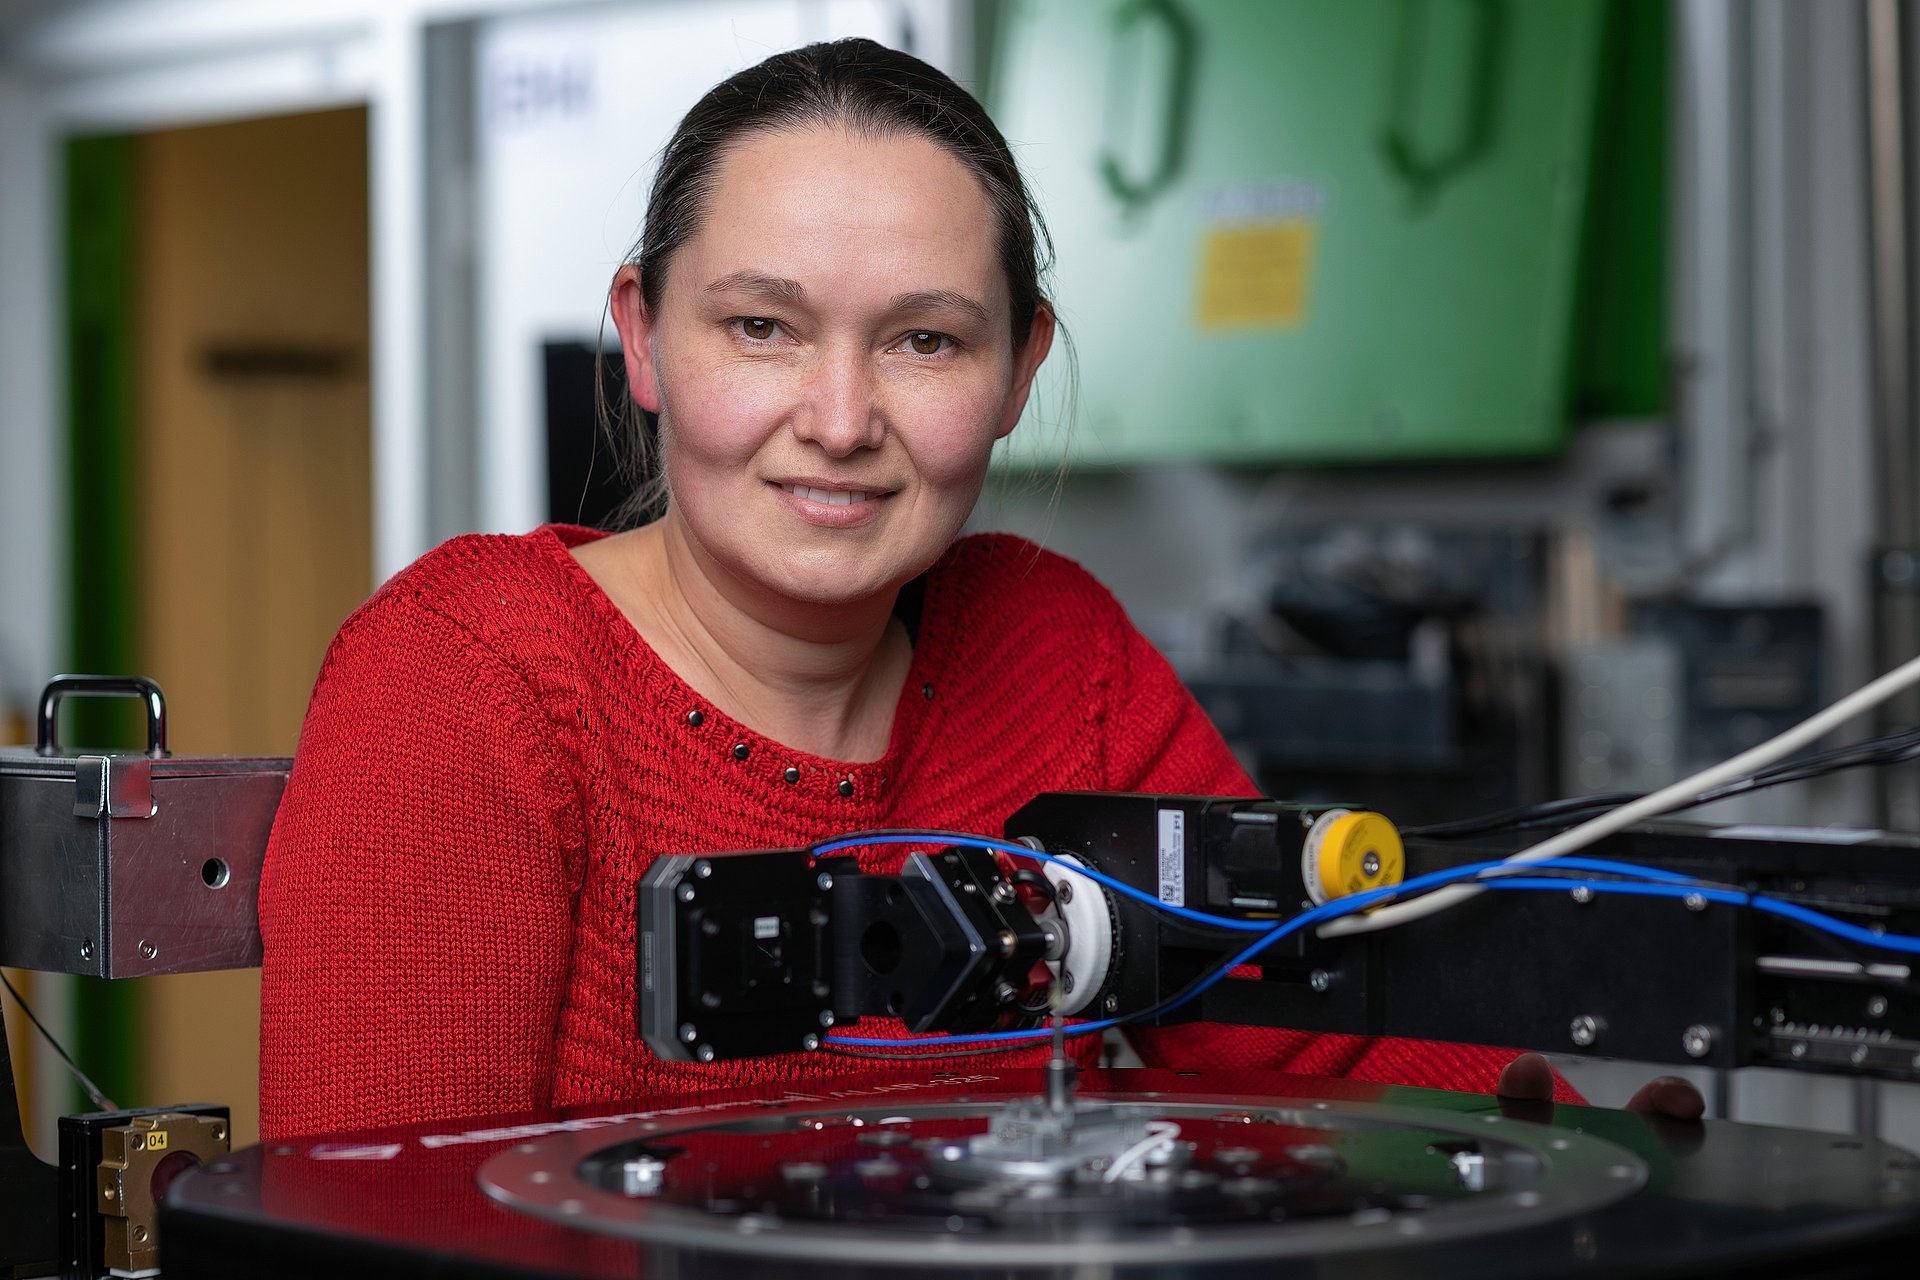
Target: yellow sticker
1254,275
157,1140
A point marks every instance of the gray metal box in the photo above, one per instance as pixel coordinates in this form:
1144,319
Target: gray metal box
122,866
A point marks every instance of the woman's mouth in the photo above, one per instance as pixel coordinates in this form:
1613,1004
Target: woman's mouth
832,497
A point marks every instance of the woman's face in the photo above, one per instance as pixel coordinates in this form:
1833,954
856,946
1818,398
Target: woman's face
832,362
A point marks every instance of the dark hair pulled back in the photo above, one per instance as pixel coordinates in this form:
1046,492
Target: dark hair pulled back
858,85
865,87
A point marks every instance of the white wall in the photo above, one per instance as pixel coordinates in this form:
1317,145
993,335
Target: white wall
32,496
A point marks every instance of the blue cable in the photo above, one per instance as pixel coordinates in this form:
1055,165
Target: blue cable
991,844
1021,850
1758,901
1273,933
1648,882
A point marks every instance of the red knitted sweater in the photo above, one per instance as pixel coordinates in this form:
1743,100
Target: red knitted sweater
493,756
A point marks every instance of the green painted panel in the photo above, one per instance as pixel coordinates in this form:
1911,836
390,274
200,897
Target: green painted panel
1392,191
1619,339
103,496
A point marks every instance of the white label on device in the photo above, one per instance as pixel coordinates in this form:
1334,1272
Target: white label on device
1173,857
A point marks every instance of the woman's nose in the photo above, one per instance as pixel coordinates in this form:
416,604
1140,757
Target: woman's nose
841,411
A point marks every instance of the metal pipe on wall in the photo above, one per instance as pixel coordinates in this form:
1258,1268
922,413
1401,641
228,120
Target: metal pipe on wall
1894,569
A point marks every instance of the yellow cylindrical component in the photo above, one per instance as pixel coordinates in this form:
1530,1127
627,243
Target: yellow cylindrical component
1349,851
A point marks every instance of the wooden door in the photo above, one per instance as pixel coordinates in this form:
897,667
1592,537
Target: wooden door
254,533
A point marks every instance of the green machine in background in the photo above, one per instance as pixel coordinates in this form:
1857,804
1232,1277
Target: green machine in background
1301,231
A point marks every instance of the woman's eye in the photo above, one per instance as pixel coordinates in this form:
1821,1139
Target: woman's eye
758,327
926,343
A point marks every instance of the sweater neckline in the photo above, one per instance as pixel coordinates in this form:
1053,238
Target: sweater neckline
726,734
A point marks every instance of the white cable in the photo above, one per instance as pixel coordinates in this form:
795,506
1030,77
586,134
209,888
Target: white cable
1678,796
1160,1136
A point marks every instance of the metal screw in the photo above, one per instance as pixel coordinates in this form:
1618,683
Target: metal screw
148,950
685,893
1695,902
826,1017
642,1175
1063,892
1003,893
86,948
1582,894
1319,979
703,868
1585,1029
809,1042
1370,865
705,1053
689,1033
1066,981
1859,1055
1007,942
1697,1041
1111,1004
1877,1007
824,881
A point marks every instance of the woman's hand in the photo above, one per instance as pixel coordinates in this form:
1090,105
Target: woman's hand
1529,1078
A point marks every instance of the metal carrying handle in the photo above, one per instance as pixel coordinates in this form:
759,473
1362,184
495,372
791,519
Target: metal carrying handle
1136,191
1425,175
103,687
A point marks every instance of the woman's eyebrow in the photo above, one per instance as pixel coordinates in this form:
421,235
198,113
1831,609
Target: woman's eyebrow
940,299
776,288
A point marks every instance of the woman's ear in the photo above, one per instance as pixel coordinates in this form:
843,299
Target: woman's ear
1026,362
635,323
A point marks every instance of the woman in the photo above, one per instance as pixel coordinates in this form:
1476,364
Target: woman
835,312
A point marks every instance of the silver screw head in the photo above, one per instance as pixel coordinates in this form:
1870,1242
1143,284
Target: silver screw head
826,1017
809,1042
1066,981
703,868
824,880
86,948
1695,902
1004,893
1877,1007
642,1175
1697,1040
1063,892
684,893
1111,1004
1582,894
1584,1030
148,950
689,1033
1370,864
1319,979
705,1053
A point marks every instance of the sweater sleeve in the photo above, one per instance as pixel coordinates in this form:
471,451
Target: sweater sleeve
418,890
1159,739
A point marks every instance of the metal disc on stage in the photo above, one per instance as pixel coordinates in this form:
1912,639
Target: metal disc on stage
1106,1182
1141,1173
